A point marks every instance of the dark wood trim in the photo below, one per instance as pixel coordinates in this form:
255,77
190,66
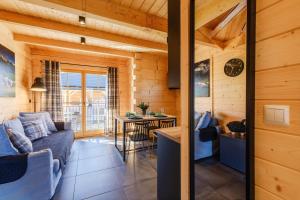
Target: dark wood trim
191,97
250,98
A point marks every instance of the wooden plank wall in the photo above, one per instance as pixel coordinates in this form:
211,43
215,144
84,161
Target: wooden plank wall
277,148
227,99
10,107
83,59
150,83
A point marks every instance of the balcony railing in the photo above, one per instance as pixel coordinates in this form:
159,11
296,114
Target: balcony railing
95,115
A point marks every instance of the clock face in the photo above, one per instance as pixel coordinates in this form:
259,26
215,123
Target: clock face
234,67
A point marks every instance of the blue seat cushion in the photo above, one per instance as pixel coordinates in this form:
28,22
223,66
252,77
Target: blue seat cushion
204,120
6,147
60,144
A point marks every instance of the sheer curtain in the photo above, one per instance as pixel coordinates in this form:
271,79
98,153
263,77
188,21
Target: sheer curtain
52,98
113,99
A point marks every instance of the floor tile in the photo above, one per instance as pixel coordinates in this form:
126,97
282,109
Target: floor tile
65,189
92,184
96,151
70,169
143,190
114,195
98,163
233,191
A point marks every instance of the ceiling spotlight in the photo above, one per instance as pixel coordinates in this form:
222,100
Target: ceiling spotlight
82,20
82,40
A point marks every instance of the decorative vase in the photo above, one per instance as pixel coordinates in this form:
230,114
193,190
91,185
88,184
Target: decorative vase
144,112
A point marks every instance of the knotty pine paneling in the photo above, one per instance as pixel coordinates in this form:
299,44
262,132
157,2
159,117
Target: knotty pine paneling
279,148
227,100
274,22
263,194
279,180
286,47
277,163
263,4
10,107
280,83
150,83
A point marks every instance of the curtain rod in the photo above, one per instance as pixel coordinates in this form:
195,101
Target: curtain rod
65,63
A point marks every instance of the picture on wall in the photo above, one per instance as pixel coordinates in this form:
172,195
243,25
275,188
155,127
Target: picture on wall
202,78
7,73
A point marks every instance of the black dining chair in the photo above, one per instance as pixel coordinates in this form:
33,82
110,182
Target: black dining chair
140,134
167,123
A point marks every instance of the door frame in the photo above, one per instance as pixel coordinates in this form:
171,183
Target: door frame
250,98
84,133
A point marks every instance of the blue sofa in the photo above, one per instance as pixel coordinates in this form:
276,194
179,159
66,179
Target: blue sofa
34,176
204,149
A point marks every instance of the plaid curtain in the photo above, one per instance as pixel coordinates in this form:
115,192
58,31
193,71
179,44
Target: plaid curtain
52,98
113,99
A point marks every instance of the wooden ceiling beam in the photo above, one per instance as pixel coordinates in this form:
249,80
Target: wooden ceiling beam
70,45
241,7
212,9
106,10
201,39
78,30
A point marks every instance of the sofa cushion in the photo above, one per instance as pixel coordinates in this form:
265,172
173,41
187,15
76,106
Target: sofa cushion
197,117
204,120
60,144
20,141
34,128
43,115
6,147
15,125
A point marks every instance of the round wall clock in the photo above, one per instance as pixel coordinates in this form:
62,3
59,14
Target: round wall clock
234,67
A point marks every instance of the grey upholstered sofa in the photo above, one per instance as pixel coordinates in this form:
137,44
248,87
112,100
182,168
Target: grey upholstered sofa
34,176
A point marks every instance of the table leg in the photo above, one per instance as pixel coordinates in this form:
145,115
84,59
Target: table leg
116,133
175,121
124,143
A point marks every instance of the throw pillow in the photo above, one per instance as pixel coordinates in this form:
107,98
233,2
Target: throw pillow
197,117
20,141
45,116
34,129
15,125
204,120
6,147
50,123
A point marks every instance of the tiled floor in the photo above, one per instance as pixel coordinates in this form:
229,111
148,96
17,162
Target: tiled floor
96,171
215,181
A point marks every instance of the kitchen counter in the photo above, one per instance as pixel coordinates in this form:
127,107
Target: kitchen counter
173,133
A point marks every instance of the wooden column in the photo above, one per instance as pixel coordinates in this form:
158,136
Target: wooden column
184,67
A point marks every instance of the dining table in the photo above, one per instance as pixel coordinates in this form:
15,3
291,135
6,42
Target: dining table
124,120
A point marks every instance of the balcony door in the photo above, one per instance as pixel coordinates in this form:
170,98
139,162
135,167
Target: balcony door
84,101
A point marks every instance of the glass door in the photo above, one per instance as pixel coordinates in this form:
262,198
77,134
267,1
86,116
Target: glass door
71,87
95,103
84,101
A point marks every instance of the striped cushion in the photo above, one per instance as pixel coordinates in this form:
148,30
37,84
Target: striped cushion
20,141
45,116
34,129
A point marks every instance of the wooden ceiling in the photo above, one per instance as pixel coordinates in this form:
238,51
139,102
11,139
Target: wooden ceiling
116,27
